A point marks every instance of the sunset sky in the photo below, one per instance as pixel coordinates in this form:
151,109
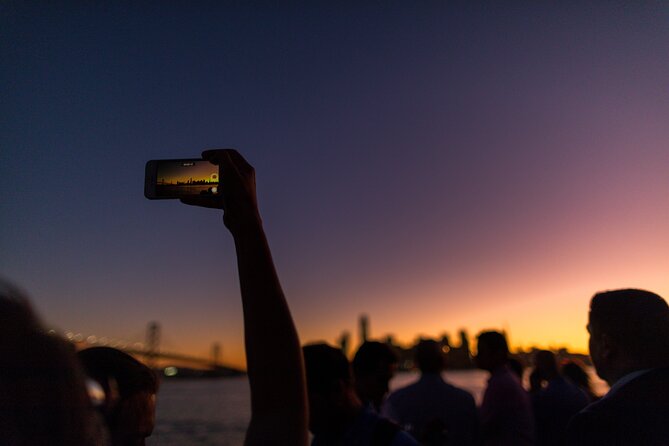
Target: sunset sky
435,165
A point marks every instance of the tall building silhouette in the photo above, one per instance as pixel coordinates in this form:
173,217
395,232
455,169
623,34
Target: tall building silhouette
464,342
364,328
445,343
344,342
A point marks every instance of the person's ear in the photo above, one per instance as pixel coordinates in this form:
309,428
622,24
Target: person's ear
606,346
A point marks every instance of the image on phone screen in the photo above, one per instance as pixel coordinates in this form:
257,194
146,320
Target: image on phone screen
182,178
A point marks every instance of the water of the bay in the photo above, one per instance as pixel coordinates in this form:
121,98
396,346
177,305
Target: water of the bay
217,411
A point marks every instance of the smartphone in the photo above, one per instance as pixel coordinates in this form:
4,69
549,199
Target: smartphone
180,178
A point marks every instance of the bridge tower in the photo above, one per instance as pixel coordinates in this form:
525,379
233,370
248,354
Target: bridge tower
152,343
215,355
344,342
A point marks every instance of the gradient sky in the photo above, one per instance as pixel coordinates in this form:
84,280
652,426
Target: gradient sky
435,165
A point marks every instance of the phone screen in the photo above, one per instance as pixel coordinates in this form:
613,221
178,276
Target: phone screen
179,178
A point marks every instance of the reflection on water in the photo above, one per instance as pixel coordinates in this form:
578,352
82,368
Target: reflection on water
202,412
217,411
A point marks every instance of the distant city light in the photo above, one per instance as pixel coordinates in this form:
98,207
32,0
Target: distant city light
78,337
171,371
92,339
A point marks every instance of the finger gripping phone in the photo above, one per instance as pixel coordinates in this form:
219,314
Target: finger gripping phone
180,178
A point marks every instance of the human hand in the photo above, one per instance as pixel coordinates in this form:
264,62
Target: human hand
238,190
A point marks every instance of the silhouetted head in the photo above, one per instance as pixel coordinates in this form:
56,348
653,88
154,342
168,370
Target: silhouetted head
130,390
332,398
545,364
43,398
629,330
16,314
373,367
576,374
429,357
492,350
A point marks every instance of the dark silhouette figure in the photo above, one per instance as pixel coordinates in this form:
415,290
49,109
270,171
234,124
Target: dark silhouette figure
374,365
130,388
336,414
43,398
275,370
506,412
554,399
575,373
517,367
435,412
629,346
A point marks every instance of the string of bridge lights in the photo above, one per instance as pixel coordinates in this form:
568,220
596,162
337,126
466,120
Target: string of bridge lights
100,340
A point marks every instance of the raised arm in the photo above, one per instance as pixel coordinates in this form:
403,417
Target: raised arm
275,370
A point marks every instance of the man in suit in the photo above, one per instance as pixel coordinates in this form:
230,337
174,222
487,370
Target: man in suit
629,347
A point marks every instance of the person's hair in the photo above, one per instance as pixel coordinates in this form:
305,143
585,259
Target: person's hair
370,354
576,374
429,357
130,375
325,366
16,314
636,320
495,341
42,386
545,361
516,367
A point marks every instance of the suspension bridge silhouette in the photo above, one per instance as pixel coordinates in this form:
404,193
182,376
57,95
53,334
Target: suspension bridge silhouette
150,353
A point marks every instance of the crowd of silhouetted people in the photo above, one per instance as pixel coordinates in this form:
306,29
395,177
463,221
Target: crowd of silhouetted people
52,395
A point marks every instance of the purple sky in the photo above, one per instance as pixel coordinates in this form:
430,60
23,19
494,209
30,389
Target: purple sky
437,166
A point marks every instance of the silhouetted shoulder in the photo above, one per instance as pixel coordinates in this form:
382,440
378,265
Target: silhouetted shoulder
462,394
440,390
595,426
431,408
635,414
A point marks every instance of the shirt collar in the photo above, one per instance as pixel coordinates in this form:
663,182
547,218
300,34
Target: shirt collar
430,377
624,380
